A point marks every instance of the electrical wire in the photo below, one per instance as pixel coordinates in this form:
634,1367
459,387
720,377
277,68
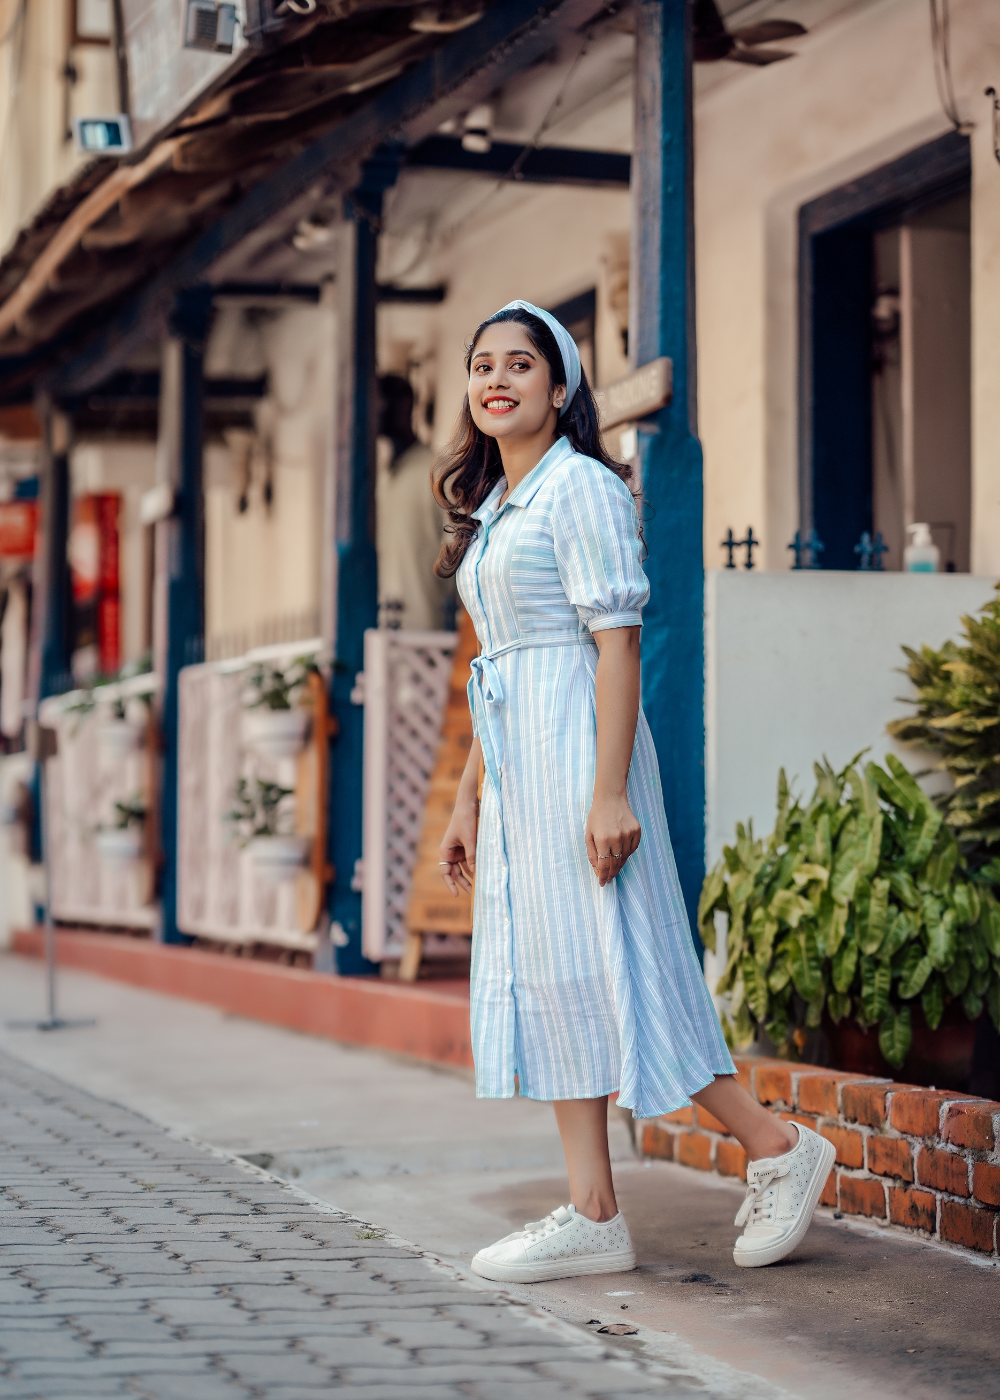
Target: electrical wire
941,46
513,174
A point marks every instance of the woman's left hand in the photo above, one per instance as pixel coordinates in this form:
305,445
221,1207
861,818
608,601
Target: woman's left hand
612,835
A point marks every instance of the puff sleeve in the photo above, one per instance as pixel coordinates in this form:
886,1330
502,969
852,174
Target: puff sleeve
595,529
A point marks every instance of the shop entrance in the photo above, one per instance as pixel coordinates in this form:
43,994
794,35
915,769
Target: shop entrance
885,421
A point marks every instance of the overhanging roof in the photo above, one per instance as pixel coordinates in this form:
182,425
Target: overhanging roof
289,127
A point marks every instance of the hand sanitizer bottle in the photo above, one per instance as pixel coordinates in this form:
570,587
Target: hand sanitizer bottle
921,555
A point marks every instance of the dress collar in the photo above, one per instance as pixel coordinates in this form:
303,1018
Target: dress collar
526,489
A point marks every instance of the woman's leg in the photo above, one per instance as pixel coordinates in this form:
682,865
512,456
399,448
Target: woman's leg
583,1127
758,1132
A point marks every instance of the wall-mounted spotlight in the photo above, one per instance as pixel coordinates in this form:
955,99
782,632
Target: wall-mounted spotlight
477,129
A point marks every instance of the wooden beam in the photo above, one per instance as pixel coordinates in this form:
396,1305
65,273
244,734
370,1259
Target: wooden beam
546,165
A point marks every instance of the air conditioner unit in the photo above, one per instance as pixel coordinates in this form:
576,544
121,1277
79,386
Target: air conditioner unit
210,27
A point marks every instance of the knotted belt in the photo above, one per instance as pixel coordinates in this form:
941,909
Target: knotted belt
486,695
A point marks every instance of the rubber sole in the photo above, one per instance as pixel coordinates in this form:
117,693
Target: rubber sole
757,1258
566,1268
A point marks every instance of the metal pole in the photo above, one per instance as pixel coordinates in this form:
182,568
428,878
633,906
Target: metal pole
43,747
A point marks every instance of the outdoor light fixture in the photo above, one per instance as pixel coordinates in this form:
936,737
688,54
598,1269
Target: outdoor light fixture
210,27
477,129
111,135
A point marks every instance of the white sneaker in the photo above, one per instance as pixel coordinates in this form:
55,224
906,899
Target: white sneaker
781,1196
562,1245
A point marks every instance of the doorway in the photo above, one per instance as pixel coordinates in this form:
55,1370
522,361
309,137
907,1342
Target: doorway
885,363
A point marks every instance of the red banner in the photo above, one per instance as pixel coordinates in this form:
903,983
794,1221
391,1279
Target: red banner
93,557
18,527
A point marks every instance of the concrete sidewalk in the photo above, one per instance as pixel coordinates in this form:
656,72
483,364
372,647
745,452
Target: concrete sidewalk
856,1309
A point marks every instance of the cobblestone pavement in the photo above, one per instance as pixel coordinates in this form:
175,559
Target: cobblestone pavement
136,1263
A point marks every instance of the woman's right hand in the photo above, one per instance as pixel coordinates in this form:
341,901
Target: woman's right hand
458,849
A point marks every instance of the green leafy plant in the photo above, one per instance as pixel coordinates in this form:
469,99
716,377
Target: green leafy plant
130,814
271,688
958,717
858,904
257,809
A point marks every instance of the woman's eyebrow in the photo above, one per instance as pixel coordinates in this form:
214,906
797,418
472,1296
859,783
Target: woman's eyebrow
511,354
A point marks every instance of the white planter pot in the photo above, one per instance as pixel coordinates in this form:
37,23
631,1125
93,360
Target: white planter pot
119,846
118,737
276,733
279,858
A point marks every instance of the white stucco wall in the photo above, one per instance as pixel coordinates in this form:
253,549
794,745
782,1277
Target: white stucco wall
799,666
860,92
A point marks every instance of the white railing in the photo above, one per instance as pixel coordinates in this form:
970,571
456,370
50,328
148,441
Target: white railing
89,774
403,687
220,894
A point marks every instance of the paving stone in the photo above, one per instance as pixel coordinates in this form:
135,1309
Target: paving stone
136,1265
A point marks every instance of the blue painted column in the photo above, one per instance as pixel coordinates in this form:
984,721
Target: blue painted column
661,322
184,564
357,568
54,674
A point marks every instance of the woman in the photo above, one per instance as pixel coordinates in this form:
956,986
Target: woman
584,976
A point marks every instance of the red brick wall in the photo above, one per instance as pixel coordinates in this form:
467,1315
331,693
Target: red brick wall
916,1159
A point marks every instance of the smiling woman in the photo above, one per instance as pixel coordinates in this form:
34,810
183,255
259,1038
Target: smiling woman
519,391
585,980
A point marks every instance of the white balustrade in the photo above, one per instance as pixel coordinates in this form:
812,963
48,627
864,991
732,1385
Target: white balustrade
222,893
404,690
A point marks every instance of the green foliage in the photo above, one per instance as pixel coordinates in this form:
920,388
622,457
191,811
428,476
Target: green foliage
958,717
271,688
858,903
257,809
129,814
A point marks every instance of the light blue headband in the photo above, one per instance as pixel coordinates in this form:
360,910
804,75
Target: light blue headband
567,346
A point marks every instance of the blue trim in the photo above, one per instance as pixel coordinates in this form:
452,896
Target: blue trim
56,675
185,577
546,165
835,233
673,668
357,571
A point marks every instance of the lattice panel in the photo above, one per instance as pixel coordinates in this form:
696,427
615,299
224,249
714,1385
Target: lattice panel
219,893
418,681
82,784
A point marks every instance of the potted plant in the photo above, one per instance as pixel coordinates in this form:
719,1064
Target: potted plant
274,724
123,730
259,812
856,910
958,716
124,841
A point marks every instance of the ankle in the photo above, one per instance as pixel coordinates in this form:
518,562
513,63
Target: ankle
774,1140
596,1208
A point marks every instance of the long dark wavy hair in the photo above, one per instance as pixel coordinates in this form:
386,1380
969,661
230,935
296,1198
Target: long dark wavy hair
470,466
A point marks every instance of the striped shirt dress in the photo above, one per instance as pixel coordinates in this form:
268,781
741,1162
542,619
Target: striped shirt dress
578,991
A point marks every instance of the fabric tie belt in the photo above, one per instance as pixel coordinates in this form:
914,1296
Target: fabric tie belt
485,681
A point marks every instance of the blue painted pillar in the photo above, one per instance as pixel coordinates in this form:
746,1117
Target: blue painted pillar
54,674
662,323
357,567
183,402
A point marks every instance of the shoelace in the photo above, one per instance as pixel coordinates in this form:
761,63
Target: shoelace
551,1222
760,1197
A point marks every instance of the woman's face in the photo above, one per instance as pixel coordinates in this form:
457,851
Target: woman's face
510,385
